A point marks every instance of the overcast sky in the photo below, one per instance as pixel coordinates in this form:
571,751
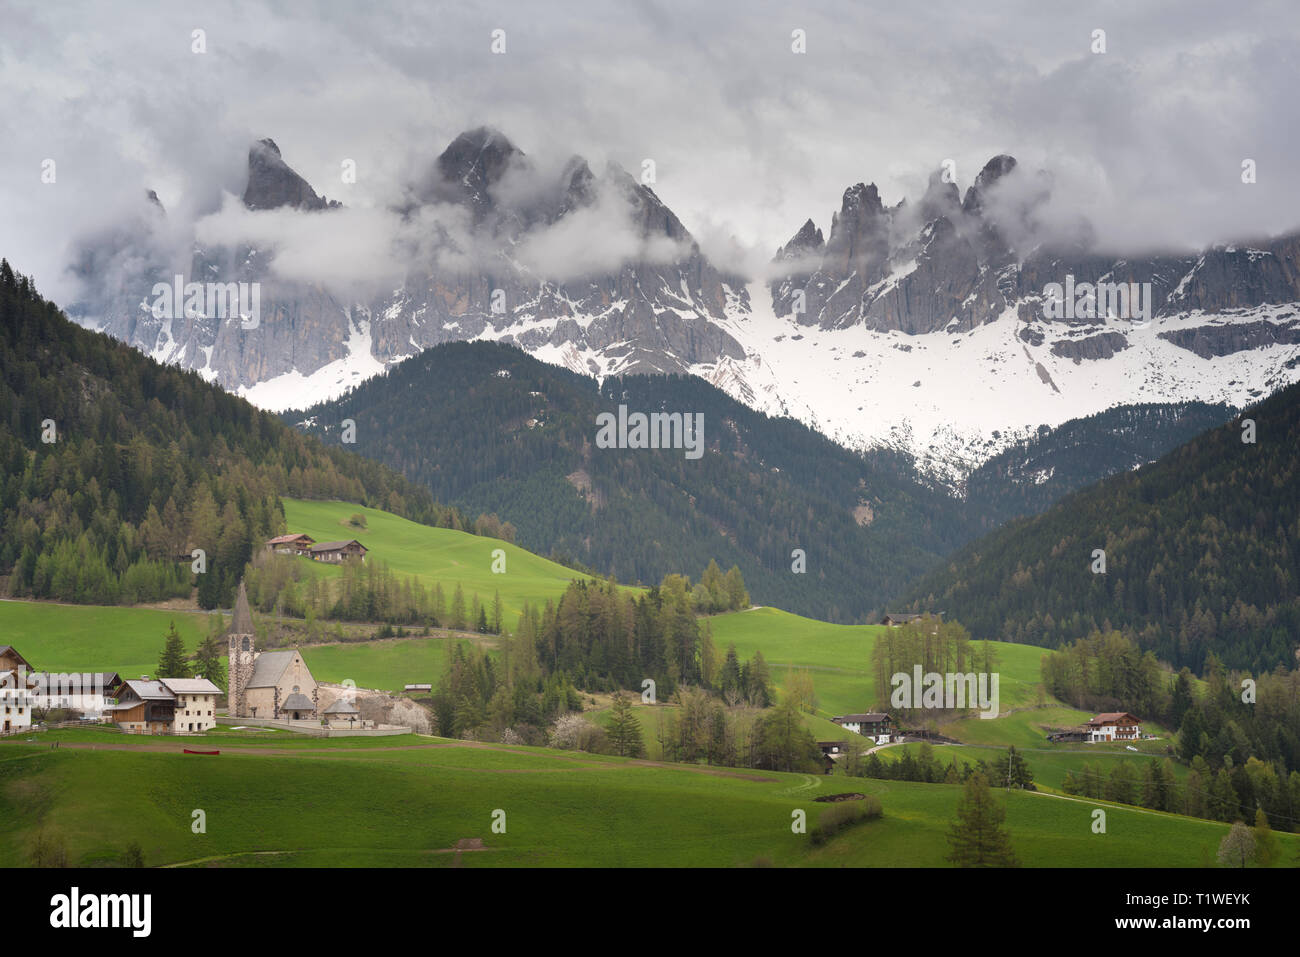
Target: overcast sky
749,138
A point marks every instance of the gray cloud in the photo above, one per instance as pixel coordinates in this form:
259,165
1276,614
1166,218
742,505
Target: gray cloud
748,138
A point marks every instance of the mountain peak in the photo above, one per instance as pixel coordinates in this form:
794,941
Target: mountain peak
807,241
994,170
272,183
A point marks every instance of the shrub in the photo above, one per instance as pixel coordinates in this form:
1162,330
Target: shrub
845,814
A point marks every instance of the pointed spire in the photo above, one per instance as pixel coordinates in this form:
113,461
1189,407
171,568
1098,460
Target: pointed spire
242,622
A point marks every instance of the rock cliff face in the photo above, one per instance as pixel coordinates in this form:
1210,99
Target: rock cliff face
477,215
952,265
928,326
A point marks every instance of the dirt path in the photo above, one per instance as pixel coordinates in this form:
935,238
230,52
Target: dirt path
1120,807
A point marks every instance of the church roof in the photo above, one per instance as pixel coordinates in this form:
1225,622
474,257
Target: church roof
342,706
241,623
297,702
268,667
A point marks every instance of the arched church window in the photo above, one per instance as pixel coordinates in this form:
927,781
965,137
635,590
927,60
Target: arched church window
245,643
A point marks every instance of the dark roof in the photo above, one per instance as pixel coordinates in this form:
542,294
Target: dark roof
241,623
297,702
871,718
336,546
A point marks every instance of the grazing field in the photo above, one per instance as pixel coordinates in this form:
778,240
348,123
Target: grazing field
410,801
440,555
1028,728
1049,763
94,638
839,658
386,664
129,640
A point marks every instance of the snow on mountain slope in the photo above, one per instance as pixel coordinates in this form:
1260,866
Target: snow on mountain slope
952,401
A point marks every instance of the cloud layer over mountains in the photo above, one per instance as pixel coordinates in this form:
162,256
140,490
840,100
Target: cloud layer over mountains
748,139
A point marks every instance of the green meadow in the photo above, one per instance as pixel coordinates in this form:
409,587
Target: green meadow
839,658
1048,762
440,555
129,641
409,801
93,638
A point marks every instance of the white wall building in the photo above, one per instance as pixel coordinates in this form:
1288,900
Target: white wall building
196,704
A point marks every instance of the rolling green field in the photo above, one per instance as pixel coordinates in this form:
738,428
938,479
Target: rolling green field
1048,762
94,638
386,664
435,554
129,641
839,658
408,801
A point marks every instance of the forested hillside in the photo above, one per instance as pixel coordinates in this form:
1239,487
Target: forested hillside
1032,474
1202,554
491,429
113,467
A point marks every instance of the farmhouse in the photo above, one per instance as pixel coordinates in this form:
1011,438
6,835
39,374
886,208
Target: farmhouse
898,620
874,725
418,689
1114,726
335,552
272,684
295,543
165,706
15,699
144,707
196,704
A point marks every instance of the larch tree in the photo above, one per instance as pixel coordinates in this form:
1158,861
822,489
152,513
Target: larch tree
977,837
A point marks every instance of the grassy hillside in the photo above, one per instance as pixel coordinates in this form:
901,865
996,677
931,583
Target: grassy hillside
441,555
408,802
94,638
839,658
129,640
1049,763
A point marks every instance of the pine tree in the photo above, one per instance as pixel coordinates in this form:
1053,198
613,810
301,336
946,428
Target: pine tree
978,838
625,728
1012,771
172,663
210,661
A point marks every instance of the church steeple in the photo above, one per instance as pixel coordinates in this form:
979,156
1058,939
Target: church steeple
242,651
242,622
